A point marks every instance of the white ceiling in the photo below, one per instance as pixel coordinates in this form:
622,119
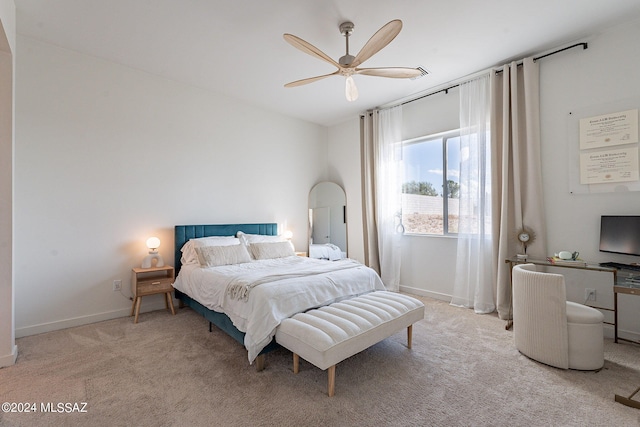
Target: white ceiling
235,47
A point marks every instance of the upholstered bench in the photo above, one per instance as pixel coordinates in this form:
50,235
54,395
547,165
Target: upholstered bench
327,335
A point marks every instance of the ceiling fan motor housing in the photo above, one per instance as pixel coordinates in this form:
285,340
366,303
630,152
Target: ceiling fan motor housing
346,60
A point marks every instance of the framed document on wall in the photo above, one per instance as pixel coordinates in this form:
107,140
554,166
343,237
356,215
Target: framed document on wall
609,129
603,148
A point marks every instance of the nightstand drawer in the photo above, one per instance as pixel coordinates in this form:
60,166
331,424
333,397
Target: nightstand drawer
154,286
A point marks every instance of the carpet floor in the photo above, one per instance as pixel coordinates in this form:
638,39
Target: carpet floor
168,370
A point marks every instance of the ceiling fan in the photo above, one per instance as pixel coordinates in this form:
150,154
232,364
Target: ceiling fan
348,64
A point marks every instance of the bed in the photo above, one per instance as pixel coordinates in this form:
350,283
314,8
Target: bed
250,310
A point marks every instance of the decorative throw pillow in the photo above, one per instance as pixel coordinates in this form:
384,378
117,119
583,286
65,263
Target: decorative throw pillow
269,250
214,256
189,255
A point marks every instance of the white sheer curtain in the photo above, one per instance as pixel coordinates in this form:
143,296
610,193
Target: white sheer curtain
517,175
382,189
475,276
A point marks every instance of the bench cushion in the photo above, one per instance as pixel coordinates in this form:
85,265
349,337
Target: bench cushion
327,335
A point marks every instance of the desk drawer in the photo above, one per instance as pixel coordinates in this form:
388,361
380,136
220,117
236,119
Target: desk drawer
154,286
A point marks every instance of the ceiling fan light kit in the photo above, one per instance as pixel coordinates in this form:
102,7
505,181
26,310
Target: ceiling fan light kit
348,64
350,90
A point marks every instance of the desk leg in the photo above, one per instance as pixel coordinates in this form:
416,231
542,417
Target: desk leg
615,316
509,323
629,401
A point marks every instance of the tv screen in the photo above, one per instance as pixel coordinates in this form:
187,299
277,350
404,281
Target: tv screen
620,234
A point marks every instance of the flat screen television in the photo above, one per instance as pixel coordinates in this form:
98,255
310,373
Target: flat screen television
620,234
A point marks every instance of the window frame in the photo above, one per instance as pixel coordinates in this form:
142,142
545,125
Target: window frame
445,137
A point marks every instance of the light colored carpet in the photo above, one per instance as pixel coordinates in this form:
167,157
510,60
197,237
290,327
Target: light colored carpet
168,370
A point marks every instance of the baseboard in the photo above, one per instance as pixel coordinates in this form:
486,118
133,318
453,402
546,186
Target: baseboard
84,320
629,335
425,293
10,358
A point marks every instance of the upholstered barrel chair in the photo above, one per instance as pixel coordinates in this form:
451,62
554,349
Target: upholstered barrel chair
550,329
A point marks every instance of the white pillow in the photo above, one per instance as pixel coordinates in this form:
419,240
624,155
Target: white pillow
189,255
269,250
248,239
213,256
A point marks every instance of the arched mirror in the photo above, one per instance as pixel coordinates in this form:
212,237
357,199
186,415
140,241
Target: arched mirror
327,222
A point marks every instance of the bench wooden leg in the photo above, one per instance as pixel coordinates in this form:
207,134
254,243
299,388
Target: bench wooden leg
260,363
331,385
296,363
409,335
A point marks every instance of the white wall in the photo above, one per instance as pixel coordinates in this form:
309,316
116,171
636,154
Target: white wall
8,349
579,81
107,156
576,80
345,170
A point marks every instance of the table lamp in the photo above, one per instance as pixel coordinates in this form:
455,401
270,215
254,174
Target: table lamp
153,243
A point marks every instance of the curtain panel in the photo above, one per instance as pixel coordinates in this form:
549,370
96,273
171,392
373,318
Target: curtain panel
516,174
382,190
475,274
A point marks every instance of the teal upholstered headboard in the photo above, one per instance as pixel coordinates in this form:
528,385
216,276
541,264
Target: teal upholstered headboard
185,232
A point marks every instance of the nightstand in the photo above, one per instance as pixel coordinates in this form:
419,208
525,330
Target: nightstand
301,253
151,281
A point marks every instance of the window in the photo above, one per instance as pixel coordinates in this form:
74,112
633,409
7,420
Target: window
431,186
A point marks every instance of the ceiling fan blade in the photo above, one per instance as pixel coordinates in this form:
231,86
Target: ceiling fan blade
310,80
310,49
380,39
392,72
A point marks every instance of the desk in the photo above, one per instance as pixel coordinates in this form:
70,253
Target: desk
622,285
589,267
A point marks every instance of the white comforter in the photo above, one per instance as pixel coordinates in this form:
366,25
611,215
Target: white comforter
282,291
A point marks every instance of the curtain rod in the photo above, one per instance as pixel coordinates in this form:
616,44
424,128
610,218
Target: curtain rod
446,90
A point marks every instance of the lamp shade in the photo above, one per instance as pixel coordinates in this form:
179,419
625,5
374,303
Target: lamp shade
351,91
153,243
288,234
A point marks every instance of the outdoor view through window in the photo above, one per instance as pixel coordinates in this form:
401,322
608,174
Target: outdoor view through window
431,188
